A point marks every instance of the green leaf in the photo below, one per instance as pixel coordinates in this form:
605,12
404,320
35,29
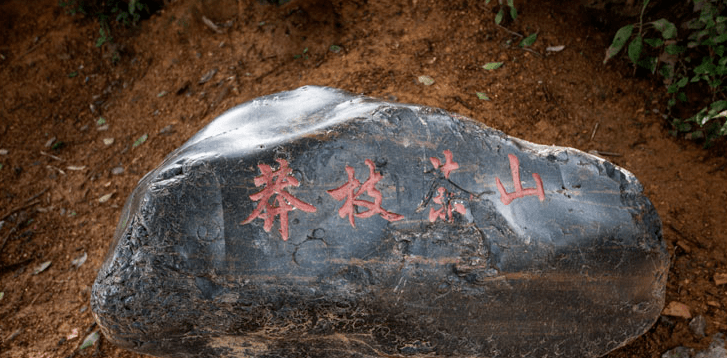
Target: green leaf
648,63
499,16
707,67
674,49
528,41
101,121
634,50
719,39
89,341
682,96
487,1
619,40
654,42
667,29
482,95
335,48
667,71
513,12
511,3
141,140
682,82
492,65
73,74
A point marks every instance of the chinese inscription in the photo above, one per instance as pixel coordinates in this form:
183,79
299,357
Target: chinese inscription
274,201
519,192
443,198
268,207
351,190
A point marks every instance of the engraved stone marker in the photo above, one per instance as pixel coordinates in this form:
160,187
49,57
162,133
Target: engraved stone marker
316,223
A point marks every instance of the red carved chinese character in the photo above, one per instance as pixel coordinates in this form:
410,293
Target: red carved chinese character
275,183
448,166
441,214
348,191
519,192
445,211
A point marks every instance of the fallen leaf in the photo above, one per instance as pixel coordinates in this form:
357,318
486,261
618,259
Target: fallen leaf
105,198
73,334
426,80
42,267
720,279
482,95
75,167
492,65
89,341
207,76
108,141
555,48
141,139
101,121
677,309
77,262
2,294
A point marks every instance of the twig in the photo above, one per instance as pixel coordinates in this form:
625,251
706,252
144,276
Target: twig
28,202
51,155
509,31
531,50
595,128
604,153
211,24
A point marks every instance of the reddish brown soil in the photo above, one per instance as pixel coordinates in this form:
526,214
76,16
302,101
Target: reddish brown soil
49,198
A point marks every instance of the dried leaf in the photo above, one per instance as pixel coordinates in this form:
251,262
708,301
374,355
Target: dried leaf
677,309
105,198
426,80
76,167
77,262
555,48
42,267
720,279
108,141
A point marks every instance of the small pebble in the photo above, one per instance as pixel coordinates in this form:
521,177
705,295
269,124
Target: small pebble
108,141
698,325
678,352
117,171
3,152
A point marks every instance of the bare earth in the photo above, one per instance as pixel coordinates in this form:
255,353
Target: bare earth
60,163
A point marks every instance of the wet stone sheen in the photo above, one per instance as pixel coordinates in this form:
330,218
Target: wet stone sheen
316,223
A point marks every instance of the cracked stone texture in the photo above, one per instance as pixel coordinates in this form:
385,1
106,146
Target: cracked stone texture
212,259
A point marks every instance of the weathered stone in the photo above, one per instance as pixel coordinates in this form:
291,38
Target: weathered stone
315,223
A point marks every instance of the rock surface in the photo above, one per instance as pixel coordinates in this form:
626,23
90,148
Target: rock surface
316,223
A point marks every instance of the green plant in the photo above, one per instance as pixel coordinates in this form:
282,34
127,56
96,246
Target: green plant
694,60
109,13
303,55
501,12
72,6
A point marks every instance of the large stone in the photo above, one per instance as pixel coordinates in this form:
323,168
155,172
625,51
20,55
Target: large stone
316,223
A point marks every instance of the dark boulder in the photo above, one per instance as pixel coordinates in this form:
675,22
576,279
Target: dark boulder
316,223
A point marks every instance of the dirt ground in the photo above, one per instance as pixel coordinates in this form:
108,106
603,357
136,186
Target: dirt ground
73,114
